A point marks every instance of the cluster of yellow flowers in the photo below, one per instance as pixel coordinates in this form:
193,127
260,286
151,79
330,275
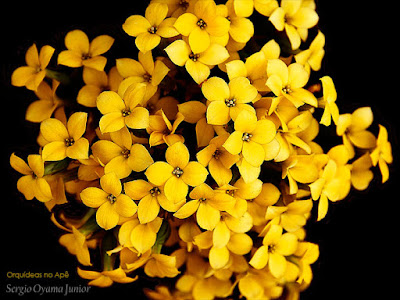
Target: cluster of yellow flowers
198,160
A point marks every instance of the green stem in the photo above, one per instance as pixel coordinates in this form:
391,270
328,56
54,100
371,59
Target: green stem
108,243
59,76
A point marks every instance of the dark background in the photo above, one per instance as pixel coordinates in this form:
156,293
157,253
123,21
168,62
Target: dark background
357,239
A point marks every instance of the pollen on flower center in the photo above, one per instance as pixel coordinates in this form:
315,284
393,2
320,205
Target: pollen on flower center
230,192
271,248
194,57
217,154
184,4
152,29
126,153
147,78
230,102
69,142
126,112
177,172
86,56
112,198
287,90
155,191
201,24
246,137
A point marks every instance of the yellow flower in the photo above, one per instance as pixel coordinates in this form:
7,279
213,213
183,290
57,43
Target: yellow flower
48,102
118,112
295,17
177,173
329,98
288,82
335,182
218,160
142,237
162,131
81,52
151,199
201,25
249,136
105,278
65,141
161,265
244,8
312,57
77,244
197,64
276,246
227,100
361,175
146,71
111,203
382,154
149,29
32,185
97,82
34,72
120,155
353,129
207,204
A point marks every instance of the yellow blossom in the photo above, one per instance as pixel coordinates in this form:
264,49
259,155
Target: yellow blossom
161,265
244,8
361,175
146,71
288,82
208,206
32,184
329,97
249,136
118,112
34,72
48,102
227,100
109,200
120,155
218,160
65,141
312,57
276,246
177,173
295,17
82,52
162,131
201,25
382,154
353,129
149,29
106,278
197,64
97,82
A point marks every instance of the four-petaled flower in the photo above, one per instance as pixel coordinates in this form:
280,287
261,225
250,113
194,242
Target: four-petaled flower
81,52
65,141
110,202
177,173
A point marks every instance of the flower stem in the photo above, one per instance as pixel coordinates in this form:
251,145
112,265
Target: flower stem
59,76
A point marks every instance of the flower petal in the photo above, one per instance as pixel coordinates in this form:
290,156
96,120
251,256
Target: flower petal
177,155
109,101
199,40
148,209
135,25
194,174
159,172
215,88
125,206
53,130
106,216
93,197
79,150
207,216
175,189
218,113
178,52
77,41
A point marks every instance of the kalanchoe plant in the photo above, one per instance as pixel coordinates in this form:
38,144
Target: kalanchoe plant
196,160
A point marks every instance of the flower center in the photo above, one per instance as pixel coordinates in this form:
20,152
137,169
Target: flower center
230,192
69,142
184,4
126,153
155,191
271,248
201,24
194,57
147,78
217,154
126,112
86,56
246,137
152,30
177,172
111,198
287,89
230,102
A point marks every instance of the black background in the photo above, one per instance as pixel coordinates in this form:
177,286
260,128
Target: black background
359,237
